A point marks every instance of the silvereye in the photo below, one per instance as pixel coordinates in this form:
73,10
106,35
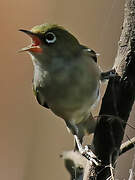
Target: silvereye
66,76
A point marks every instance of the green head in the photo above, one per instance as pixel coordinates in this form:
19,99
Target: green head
51,40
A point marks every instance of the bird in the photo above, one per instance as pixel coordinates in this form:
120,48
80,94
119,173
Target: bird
67,76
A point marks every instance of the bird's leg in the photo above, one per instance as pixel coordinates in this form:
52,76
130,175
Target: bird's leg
86,152
108,74
76,145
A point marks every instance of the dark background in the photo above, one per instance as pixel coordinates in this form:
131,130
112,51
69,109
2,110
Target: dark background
32,137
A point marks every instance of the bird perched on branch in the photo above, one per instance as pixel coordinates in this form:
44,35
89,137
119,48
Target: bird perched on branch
66,76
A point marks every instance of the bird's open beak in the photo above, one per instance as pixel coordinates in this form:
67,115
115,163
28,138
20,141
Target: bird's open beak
36,42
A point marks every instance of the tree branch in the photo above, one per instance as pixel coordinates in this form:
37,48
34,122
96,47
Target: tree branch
127,146
119,97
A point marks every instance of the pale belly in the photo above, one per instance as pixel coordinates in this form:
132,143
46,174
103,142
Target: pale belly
69,92
70,98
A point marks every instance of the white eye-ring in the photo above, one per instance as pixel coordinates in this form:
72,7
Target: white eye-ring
50,38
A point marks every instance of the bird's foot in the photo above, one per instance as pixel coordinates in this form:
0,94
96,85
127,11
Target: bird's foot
108,74
86,152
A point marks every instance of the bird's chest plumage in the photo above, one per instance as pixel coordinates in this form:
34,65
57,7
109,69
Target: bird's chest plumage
67,88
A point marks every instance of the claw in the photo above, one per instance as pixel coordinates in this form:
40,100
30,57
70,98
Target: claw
86,152
109,74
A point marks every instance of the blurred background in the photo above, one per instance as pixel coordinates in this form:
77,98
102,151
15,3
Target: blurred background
31,137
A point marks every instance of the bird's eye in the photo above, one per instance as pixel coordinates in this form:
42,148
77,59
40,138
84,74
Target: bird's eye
50,38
